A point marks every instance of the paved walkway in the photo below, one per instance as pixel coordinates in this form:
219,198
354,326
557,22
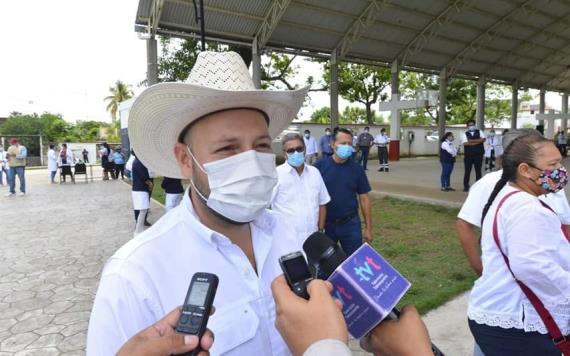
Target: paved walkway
56,239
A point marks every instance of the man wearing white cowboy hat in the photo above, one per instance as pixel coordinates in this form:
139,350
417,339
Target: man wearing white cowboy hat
215,130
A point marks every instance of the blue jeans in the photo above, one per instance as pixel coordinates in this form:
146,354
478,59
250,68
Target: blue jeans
12,173
52,176
364,156
446,169
349,234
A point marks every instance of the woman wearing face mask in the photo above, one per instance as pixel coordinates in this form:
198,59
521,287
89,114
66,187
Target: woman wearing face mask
447,153
522,240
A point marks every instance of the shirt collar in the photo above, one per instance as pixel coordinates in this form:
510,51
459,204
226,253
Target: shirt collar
265,222
292,169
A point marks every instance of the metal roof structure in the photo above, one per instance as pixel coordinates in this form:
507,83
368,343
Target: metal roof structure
511,41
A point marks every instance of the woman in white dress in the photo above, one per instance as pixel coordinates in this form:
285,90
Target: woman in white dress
523,246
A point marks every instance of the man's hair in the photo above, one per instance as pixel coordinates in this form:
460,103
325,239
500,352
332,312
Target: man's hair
383,129
367,128
342,130
64,144
307,131
291,137
51,146
470,121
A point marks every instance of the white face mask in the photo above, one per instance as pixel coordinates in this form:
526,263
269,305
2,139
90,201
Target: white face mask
240,185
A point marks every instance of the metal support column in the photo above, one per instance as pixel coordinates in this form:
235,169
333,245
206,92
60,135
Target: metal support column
515,105
542,105
564,124
442,102
152,61
334,89
41,151
395,113
256,64
481,103
395,117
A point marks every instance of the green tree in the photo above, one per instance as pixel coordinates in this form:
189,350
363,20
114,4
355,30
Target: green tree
321,116
178,57
361,83
119,92
86,131
358,115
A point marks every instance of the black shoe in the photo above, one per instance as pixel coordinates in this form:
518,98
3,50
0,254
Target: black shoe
449,189
146,223
444,190
465,189
387,170
381,170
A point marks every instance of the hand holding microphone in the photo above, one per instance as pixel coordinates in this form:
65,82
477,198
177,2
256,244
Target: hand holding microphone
303,322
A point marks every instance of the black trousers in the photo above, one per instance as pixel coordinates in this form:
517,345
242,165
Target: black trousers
120,169
472,161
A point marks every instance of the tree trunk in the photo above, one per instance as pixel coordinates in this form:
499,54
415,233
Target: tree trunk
369,118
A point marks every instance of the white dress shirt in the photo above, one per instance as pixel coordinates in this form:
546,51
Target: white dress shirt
150,274
299,197
531,237
480,192
449,147
464,136
382,140
310,145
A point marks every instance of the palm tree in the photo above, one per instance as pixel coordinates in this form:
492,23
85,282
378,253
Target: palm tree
119,92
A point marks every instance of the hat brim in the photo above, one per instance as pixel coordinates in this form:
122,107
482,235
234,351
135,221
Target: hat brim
162,111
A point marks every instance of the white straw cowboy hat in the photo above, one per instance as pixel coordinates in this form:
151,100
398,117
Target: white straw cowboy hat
218,81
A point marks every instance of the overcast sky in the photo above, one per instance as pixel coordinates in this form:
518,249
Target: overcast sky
62,56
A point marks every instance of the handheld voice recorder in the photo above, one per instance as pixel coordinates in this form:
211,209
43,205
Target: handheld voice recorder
297,273
198,305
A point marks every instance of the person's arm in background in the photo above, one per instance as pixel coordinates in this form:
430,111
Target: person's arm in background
322,217
366,208
161,339
470,245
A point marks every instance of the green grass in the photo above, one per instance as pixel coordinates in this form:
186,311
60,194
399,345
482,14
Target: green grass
420,241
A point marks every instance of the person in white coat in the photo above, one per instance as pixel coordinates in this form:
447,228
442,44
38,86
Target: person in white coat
52,162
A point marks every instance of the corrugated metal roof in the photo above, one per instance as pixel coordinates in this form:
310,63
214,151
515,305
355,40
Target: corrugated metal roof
527,41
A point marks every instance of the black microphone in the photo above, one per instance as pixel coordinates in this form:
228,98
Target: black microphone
325,256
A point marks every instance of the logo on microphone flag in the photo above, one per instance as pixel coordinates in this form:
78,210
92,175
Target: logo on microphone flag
369,288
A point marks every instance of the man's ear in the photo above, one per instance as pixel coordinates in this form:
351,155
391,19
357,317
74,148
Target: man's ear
184,160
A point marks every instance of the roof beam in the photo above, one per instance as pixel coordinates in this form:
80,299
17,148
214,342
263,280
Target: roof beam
522,44
432,29
488,34
270,21
155,13
366,18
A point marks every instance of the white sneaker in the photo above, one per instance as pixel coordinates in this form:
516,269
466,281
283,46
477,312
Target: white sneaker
21,194
9,194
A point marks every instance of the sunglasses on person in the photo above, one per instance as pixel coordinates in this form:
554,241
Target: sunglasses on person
295,149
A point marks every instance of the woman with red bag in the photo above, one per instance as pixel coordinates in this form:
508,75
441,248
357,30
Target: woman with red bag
521,303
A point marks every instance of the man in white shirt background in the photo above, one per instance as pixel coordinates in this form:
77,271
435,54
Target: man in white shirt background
382,141
220,139
300,193
311,148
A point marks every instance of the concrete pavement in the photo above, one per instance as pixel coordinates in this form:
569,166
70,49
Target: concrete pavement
56,239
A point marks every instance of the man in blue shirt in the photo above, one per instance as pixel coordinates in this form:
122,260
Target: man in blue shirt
325,144
347,185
